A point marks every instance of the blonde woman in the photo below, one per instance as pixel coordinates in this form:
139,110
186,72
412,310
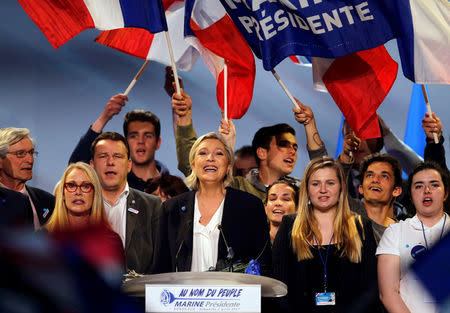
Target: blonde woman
324,253
79,219
213,225
79,201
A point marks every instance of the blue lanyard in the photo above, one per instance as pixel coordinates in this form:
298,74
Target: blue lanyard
442,231
324,263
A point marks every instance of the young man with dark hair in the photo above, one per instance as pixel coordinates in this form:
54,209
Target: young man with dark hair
132,214
142,131
381,184
275,147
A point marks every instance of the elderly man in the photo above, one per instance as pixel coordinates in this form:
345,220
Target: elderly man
16,165
15,207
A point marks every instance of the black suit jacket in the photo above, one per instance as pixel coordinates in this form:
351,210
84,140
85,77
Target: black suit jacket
141,223
244,225
15,209
44,203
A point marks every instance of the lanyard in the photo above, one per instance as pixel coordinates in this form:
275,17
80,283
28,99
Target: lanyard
442,231
324,262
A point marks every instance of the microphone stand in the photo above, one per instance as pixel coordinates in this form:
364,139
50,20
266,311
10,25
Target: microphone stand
230,252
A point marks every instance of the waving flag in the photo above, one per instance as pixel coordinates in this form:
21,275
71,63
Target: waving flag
212,32
61,20
143,44
425,47
328,29
358,83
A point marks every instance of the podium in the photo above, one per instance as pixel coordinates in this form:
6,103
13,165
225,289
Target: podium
184,289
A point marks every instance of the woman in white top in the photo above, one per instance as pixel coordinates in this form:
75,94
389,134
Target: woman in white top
404,242
212,226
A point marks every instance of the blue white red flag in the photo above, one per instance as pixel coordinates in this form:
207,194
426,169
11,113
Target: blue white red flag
328,29
60,21
425,46
209,29
140,43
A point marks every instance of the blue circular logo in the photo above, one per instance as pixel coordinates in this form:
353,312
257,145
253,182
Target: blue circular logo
167,297
416,251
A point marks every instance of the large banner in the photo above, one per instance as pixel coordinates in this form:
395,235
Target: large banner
276,29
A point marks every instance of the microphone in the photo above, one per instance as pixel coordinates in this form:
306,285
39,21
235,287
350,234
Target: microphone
230,252
185,230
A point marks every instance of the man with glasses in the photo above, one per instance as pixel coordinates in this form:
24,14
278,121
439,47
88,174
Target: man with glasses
16,168
274,147
133,214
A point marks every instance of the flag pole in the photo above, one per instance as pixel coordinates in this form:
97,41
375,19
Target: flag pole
277,77
425,95
172,60
131,85
225,87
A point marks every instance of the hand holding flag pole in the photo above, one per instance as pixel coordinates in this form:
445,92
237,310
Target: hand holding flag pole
425,95
277,77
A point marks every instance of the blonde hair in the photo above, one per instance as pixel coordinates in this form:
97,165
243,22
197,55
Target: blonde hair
192,180
59,221
305,225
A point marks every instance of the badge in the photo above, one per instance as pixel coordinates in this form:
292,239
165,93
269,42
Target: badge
133,210
325,298
417,250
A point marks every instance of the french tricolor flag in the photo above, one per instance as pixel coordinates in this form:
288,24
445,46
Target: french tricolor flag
425,45
143,44
209,29
61,20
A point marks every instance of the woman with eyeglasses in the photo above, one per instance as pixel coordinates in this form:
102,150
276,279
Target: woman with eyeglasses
325,253
406,241
79,219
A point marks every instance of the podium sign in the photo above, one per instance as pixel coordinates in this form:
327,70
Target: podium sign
202,298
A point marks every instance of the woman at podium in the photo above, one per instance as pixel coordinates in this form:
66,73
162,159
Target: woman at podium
325,253
213,226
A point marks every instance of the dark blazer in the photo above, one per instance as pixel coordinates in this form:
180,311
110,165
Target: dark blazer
141,223
15,209
44,203
244,226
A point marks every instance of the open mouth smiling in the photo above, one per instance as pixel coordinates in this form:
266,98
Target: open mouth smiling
210,168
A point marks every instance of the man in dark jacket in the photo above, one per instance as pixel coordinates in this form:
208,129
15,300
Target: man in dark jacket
17,155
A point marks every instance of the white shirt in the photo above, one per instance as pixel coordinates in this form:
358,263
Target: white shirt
117,213
206,240
403,239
